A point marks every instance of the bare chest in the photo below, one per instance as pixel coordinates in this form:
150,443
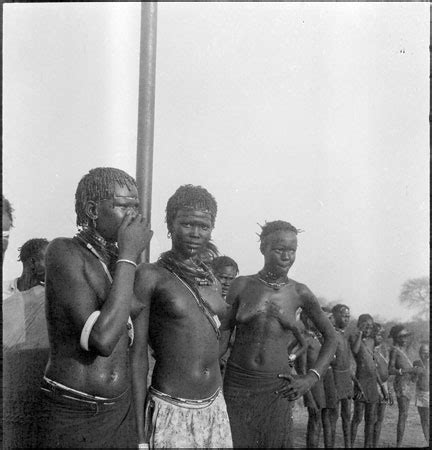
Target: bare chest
258,304
177,300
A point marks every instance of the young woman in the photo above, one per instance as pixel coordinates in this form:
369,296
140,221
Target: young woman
259,387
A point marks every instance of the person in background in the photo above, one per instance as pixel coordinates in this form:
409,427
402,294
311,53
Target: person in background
405,374
382,371
341,366
181,313
86,390
330,411
422,388
7,223
259,385
315,399
32,256
225,270
25,346
366,391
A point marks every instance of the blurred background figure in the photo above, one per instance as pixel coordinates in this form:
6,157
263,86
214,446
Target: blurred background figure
401,366
330,411
25,346
225,270
7,223
32,256
341,366
382,371
315,399
365,391
422,388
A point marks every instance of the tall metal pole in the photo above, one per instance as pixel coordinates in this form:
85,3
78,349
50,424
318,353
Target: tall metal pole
146,103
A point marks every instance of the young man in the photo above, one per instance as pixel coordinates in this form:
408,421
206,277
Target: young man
225,270
405,374
258,385
182,308
89,293
25,345
382,371
366,391
422,388
341,366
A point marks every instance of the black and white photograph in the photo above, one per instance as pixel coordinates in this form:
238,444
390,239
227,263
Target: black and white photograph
216,224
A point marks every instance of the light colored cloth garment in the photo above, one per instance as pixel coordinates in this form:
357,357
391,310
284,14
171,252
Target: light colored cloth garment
182,423
422,399
9,288
24,322
25,355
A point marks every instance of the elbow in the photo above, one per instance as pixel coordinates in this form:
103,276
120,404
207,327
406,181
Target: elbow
103,344
104,350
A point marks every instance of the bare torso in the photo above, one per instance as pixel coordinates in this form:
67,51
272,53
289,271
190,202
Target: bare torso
342,360
264,321
68,363
185,344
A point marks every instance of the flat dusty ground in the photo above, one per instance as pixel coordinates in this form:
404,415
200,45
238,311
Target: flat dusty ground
413,436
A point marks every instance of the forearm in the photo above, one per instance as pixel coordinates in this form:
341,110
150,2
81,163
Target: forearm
325,355
115,311
355,347
139,392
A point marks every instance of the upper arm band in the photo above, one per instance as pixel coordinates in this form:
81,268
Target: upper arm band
88,326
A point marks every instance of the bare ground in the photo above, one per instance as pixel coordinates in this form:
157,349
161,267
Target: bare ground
413,437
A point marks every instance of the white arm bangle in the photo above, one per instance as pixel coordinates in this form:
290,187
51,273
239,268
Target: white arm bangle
143,445
88,326
316,373
292,357
126,261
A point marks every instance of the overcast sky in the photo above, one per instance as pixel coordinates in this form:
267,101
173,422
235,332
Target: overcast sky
314,113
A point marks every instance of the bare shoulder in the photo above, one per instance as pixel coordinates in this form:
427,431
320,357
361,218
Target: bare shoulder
147,277
236,288
63,251
303,291
149,271
241,282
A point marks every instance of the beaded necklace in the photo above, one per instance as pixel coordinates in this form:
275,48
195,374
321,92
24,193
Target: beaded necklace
192,277
271,284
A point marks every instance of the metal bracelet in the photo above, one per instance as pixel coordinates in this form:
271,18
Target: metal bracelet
316,373
127,261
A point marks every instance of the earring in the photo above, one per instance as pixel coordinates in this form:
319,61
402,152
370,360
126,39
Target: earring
94,223
169,235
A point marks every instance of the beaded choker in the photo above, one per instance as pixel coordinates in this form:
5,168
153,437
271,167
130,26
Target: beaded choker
193,276
106,251
198,274
264,278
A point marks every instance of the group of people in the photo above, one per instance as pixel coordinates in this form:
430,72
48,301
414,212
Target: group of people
366,386
230,353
